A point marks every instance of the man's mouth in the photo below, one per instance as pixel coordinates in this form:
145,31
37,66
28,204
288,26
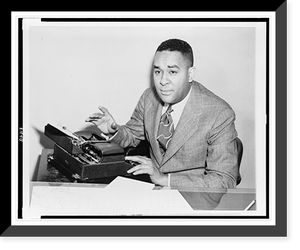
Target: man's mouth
166,92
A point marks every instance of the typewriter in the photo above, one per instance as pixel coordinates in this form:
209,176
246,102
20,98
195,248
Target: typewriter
86,156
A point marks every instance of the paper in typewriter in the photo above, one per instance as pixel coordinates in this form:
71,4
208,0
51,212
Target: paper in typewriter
122,197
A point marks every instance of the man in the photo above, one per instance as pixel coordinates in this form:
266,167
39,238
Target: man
190,130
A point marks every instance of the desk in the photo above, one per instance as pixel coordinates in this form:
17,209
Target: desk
198,198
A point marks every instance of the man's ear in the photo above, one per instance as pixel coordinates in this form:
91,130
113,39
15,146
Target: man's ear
192,73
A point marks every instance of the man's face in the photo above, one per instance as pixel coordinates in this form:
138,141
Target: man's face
171,76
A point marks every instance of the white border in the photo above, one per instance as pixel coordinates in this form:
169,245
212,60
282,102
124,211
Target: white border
36,15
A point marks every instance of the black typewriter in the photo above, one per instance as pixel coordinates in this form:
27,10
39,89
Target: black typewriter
86,156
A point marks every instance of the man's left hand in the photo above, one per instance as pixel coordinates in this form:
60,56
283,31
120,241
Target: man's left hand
145,166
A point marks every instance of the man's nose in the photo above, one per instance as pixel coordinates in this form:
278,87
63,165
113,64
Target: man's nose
164,79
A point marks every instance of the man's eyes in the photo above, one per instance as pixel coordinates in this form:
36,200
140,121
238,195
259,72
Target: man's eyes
171,72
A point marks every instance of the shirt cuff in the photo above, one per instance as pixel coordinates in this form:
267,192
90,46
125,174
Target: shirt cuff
108,137
169,180
112,137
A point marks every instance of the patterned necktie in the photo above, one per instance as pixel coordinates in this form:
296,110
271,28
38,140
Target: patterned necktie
165,130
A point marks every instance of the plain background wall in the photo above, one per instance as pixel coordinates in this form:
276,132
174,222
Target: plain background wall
74,69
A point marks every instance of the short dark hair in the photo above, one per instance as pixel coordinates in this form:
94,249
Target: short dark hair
178,45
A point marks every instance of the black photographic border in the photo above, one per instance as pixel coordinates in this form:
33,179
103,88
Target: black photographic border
280,229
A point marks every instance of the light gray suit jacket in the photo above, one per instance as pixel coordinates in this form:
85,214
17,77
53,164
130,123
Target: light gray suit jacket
202,152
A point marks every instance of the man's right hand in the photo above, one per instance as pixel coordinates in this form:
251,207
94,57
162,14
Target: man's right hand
104,121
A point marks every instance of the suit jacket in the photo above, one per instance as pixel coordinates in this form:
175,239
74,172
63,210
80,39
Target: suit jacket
202,151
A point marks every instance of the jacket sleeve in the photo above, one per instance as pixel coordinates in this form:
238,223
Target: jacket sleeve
221,170
132,132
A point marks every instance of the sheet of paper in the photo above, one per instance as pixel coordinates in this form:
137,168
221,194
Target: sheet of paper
53,200
124,184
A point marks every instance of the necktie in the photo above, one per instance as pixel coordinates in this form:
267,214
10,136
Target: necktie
165,130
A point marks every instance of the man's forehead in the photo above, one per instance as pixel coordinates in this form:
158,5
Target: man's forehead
169,58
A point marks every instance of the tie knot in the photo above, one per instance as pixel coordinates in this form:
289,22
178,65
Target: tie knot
169,109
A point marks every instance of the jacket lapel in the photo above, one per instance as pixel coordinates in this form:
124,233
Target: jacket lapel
186,126
154,119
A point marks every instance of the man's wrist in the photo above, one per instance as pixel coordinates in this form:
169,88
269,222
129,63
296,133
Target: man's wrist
109,136
164,180
112,136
